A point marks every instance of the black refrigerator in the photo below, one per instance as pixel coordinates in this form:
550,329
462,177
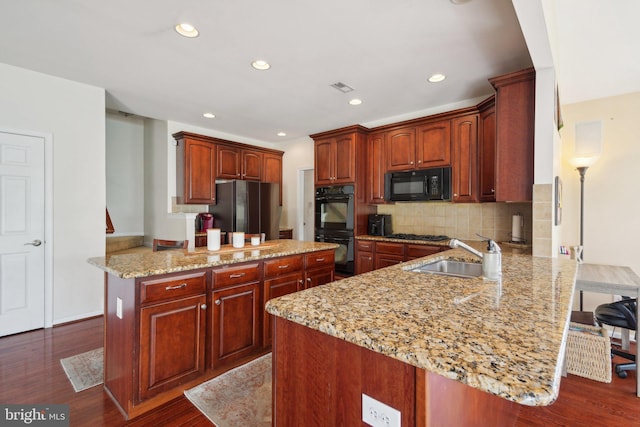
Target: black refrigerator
249,206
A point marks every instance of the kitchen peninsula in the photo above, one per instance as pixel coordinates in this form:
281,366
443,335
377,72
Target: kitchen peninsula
440,350
176,318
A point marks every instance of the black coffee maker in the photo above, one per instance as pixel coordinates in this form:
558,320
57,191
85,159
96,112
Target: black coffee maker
379,225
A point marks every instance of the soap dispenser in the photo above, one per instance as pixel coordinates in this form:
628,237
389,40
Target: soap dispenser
492,261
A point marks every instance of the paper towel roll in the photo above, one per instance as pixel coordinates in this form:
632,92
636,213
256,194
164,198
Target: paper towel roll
516,228
213,239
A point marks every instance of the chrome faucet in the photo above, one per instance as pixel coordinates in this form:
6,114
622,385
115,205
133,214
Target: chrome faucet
455,243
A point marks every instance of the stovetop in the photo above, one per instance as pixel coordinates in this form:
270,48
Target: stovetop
427,237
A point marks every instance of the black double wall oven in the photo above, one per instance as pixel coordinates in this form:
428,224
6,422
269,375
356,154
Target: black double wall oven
334,219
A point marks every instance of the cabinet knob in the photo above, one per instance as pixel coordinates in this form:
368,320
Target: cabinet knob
411,162
419,161
455,194
309,279
493,190
217,302
301,282
203,306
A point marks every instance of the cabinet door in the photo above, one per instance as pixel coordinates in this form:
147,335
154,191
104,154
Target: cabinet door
251,165
434,144
172,341
465,158
319,277
345,159
324,155
376,168
274,288
272,170
364,262
235,322
385,260
487,154
196,172
401,149
228,162
419,251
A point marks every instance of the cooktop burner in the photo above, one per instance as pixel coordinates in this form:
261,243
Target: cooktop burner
428,237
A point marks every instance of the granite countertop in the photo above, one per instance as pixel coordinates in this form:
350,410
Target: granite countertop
148,263
507,339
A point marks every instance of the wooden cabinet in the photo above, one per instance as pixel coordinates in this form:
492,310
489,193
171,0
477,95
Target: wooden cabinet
376,168
388,253
172,344
319,268
235,318
515,123
200,160
195,170
282,276
464,169
419,251
200,241
401,149
364,256
286,233
235,163
433,147
487,151
340,156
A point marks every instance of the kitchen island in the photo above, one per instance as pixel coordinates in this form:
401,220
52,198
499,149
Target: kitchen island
441,350
174,319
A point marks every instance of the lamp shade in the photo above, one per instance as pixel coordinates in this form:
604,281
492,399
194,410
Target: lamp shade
588,143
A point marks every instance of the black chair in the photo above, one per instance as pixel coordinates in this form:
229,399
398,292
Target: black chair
621,314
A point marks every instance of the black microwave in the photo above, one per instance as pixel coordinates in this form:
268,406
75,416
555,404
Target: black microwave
418,185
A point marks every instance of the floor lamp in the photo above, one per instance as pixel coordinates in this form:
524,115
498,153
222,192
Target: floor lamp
588,146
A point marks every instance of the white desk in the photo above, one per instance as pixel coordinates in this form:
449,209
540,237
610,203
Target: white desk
610,279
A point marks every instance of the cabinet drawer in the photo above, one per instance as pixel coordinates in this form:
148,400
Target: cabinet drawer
173,287
418,251
280,266
364,245
390,248
318,259
234,275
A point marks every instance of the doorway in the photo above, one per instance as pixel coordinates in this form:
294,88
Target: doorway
26,296
306,200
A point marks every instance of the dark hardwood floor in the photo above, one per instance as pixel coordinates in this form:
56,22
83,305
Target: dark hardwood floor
30,373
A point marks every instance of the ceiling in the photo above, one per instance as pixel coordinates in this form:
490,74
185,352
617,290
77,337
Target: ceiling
384,50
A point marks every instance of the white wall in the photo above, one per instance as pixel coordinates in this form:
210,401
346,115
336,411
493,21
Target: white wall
611,203
74,114
125,173
298,154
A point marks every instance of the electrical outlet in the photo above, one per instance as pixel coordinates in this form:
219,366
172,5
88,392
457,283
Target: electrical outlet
377,414
119,307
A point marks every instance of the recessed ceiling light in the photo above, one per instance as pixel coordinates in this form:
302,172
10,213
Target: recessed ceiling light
435,78
187,30
260,64
459,1
282,134
209,115
355,101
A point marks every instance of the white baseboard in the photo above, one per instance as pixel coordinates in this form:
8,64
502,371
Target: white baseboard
78,317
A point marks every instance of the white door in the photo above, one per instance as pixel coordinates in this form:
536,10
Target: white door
21,233
309,205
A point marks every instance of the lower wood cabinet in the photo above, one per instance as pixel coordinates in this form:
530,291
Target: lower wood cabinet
319,268
172,344
371,255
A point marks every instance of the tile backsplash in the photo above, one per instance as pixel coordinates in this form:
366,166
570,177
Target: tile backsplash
459,220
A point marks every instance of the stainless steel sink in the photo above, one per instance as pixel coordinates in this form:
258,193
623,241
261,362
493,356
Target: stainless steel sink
448,267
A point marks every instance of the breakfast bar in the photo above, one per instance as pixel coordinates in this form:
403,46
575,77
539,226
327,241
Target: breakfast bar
462,346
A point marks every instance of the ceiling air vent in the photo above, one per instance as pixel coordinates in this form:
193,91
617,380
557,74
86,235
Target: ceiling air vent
342,87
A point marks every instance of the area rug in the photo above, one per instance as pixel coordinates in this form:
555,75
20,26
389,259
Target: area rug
84,370
238,398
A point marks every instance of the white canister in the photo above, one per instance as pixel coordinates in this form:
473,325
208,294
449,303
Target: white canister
238,239
213,239
255,240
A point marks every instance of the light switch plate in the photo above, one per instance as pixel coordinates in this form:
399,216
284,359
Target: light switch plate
377,414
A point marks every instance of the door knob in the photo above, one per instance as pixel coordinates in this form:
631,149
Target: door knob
34,243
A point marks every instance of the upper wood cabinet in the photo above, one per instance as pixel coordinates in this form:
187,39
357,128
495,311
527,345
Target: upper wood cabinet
487,151
465,158
195,171
340,156
376,167
401,149
433,147
235,163
515,122
200,160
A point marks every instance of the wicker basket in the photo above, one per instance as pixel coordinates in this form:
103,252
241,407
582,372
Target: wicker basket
588,352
